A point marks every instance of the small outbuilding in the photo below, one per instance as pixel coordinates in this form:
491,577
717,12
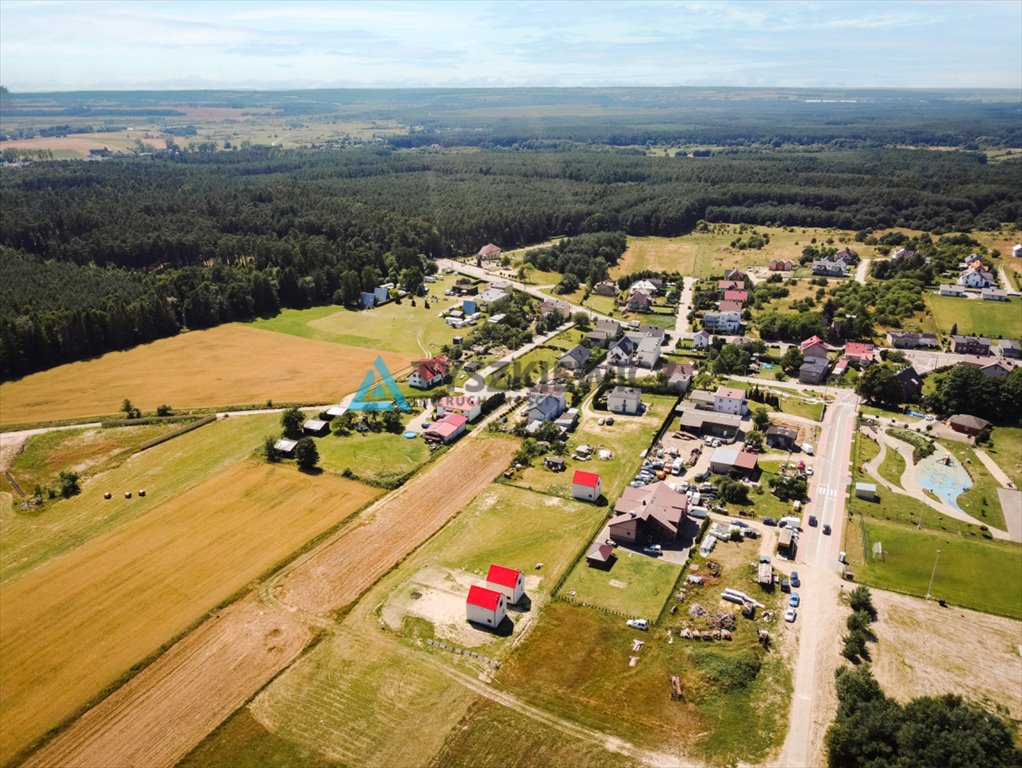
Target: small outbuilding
967,425
507,581
866,491
485,606
316,427
285,447
585,485
600,556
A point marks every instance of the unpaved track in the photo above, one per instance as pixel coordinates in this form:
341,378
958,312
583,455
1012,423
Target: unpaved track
168,708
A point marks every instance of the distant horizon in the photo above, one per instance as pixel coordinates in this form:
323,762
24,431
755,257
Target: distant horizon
255,45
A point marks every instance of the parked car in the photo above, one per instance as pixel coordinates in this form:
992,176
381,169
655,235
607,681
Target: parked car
826,530
740,524
653,549
809,471
751,534
769,521
793,601
789,615
795,581
638,624
813,521
785,585
716,442
764,559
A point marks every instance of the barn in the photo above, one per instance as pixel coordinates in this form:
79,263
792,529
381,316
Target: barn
486,607
507,581
446,430
316,427
585,485
285,447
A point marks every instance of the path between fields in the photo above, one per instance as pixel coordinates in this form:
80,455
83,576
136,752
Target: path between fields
169,707
860,271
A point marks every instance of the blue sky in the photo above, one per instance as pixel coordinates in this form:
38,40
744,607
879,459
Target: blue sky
59,45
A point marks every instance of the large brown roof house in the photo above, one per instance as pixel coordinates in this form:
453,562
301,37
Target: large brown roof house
651,513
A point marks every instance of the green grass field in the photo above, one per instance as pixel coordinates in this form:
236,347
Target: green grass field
395,327
165,471
636,585
376,457
243,742
975,316
800,406
1005,448
892,468
981,499
977,574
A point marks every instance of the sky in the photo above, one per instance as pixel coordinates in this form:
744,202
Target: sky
58,45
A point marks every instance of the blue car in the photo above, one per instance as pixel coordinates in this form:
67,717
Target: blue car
793,600
795,582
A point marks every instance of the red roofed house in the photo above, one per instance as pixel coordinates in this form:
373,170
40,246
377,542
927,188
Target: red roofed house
730,306
429,373
814,346
446,430
736,295
486,607
585,485
507,581
489,251
860,352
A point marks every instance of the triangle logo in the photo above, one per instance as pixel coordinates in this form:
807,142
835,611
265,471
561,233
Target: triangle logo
379,391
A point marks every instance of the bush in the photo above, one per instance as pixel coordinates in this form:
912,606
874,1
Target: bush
269,452
68,483
862,600
728,673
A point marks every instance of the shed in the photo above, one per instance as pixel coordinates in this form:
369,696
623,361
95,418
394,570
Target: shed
866,491
600,556
316,427
485,606
468,306
554,463
285,447
966,424
335,410
585,485
507,581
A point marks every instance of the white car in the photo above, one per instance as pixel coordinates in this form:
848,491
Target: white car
638,624
653,549
789,615
809,471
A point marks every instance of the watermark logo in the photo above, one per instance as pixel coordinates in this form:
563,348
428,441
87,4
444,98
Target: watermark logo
379,391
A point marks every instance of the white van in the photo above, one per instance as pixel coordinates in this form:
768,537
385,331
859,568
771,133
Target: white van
789,522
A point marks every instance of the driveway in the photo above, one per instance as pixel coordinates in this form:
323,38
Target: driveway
862,270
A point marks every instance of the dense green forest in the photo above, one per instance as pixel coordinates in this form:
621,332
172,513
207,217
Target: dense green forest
101,256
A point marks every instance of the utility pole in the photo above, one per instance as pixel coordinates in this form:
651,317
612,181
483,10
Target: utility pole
934,573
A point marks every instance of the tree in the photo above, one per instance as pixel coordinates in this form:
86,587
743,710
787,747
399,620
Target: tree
582,321
164,410
755,439
792,360
291,420
761,418
269,452
128,408
68,483
411,279
392,422
879,385
306,453
861,600
733,491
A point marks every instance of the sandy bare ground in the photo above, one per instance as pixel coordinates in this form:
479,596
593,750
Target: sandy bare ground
174,703
924,649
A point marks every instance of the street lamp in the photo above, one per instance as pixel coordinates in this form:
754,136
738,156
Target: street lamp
934,573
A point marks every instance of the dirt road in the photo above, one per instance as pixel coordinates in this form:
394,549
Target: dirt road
169,707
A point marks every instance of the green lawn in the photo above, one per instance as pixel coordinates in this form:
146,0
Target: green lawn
1005,448
977,574
666,320
981,499
637,585
975,316
892,467
379,458
394,327
798,406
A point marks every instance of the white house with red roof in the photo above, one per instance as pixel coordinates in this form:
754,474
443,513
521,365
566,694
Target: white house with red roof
485,606
734,294
469,407
814,346
585,485
429,373
860,352
507,581
489,251
445,430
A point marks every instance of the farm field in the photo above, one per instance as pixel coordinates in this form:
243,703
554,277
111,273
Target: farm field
227,365
76,624
701,254
376,457
169,707
636,585
965,570
976,317
165,471
399,328
920,653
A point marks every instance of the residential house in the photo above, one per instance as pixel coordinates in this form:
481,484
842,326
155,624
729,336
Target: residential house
627,400
429,373
605,288
846,255
469,407
651,513
730,306
956,291
911,339
702,340
830,267
650,286
544,406
585,486
638,301
783,438
701,399
781,265
555,463
647,353
997,369
485,606
731,458
730,400
994,294
735,275
698,421
597,339
1009,348
860,352
741,296
611,327
976,277
814,346
557,306
911,384
446,429
723,322
316,427
679,376
574,359
489,252
970,345
639,332
509,582
813,370
903,253
967,424
723,286
621,353
567,420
